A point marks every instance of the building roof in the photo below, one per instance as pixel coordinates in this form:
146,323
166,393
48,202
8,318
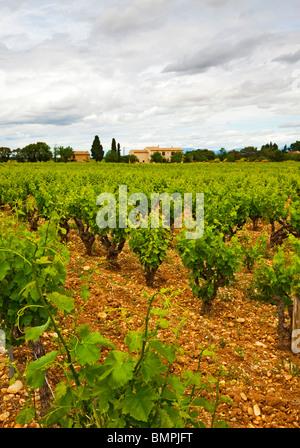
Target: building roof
151,149
157,148
84,153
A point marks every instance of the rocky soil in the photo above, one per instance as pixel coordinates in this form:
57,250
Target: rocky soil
262,381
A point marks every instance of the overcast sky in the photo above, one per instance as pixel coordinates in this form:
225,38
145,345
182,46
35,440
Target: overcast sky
188,73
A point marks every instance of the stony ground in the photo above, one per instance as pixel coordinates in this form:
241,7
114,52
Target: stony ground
262,381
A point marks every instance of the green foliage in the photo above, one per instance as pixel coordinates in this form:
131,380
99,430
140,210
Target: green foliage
24,257
212,263
176,157
250,152
150,245
130,389
201,155
37,152
65,153
280,278
97,149
295,215
103,386
277,282
112,237
5,154
156,157
295,146
111,157
114,146
296,157
253,252
132,158
233,194
187,158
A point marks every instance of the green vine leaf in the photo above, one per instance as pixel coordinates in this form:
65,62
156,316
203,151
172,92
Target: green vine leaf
36,370
26,415
63,303
34,333
138,403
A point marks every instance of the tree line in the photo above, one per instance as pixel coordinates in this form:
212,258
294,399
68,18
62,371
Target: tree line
113,155
36,152
41,152
269,152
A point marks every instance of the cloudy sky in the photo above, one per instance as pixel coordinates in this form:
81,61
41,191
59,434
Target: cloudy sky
188,73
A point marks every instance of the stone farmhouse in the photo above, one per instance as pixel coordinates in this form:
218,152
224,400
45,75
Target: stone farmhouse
144,155
80,156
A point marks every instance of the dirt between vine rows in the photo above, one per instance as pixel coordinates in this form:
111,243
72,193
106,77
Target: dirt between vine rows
262,381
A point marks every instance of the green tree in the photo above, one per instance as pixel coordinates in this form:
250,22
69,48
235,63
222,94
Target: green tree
132,158
114,146
65,153
176,157
295,146
156,157
230,157
37,152
285,149
4,154
222,154
296,157
111,157
202,155
277,156
267,149
250,152
97,149
233,155
55,152
30,152
43,152
187,158
124,159
18,155
119,151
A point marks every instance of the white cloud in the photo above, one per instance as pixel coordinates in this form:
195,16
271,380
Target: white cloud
188,73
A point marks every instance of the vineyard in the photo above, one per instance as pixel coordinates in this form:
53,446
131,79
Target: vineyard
122,327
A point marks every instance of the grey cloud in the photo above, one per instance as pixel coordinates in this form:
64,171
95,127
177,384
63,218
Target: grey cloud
215,55
60,113
55,120
290,58
289,124
119,22
3,51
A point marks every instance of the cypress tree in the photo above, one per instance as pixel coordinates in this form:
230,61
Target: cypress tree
114,146
97,149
